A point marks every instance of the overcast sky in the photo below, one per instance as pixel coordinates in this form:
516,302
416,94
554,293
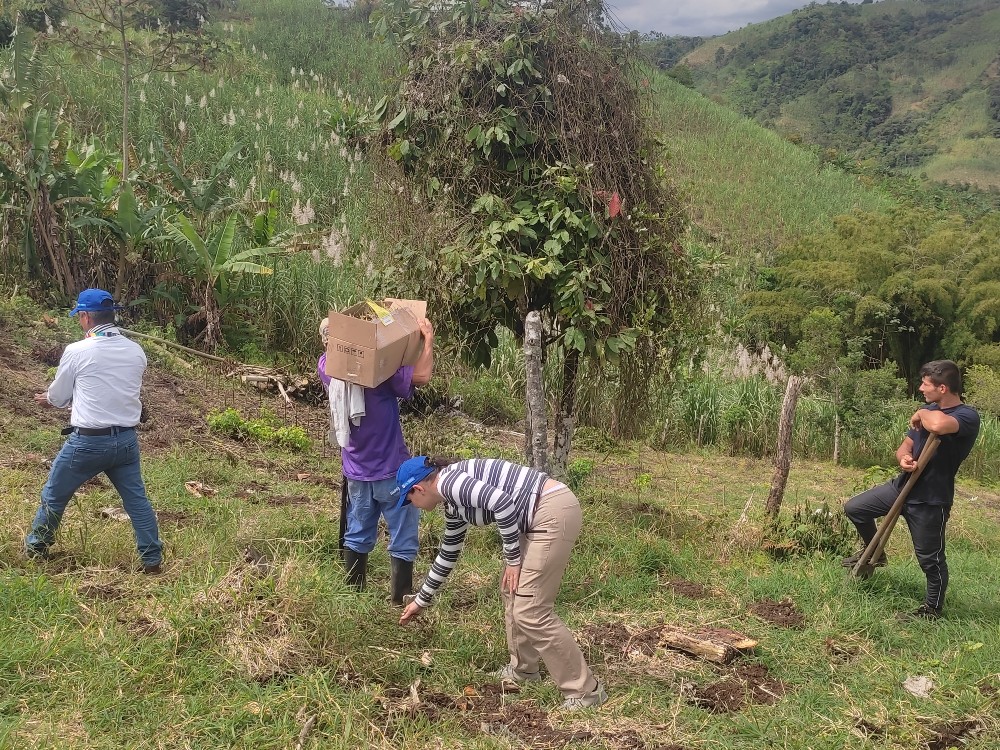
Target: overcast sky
698,17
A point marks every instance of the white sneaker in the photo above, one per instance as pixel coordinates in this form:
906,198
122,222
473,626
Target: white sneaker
590,700
507,673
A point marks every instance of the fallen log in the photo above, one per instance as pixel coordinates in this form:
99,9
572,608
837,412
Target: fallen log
717,645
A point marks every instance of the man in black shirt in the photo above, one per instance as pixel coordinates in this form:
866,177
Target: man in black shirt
929,502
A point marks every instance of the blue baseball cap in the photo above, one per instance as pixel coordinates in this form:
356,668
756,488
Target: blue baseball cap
94,300
408,474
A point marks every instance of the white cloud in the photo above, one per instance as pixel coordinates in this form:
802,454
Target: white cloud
698,17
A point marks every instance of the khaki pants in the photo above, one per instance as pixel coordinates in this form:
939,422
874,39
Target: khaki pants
534,631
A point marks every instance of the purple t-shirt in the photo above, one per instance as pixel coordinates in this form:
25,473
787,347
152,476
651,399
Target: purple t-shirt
376,447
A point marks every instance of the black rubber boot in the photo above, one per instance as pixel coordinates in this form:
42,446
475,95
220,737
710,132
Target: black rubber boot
400,579
356,564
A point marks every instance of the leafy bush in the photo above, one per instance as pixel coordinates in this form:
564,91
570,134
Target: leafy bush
264,429
578,471
811,530
875,475
982,386
15,310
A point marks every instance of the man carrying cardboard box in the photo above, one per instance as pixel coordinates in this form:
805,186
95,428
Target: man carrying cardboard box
374,450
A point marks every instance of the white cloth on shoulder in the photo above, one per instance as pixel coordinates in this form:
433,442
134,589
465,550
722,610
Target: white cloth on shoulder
347,407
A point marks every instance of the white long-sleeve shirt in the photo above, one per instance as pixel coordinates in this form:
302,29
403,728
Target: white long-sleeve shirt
101,377
479,492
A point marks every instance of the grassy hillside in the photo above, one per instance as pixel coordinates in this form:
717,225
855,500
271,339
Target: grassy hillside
746,187
914,84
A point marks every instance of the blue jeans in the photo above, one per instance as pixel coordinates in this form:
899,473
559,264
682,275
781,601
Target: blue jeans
366,501
82,458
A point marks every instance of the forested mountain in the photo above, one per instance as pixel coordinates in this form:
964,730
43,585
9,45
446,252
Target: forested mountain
914,84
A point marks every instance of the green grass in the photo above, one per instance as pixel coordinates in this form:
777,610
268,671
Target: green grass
227,655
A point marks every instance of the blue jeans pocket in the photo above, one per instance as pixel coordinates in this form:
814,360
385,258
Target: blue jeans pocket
88,457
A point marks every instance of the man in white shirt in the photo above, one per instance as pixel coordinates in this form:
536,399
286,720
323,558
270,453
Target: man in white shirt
99,378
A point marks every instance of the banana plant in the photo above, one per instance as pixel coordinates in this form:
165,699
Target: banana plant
113,207
203,199
215,265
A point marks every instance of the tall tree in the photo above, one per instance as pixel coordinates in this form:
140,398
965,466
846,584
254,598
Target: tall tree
525,128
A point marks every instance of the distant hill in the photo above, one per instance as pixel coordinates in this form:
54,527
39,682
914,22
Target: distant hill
914,84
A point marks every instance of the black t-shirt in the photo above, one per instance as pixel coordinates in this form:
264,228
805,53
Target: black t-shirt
936,485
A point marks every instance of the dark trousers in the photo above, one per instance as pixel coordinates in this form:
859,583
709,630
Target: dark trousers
926,523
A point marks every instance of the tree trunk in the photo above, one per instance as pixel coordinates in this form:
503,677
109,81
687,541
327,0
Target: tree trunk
783,459
125,92
836,438
46,232
535,392
566,416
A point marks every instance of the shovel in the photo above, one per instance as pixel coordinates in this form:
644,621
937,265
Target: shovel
864,568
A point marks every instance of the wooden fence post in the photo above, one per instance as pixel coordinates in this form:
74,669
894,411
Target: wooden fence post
783,459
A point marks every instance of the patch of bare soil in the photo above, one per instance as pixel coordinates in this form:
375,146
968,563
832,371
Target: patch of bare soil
319,480
491,709
869,730
176,403
106,592
23,378
29,461
253,491
47,355
179,519
687,588
350,679
983,498
141,626
783,614
952,734
146,618
748,683
281,500
486,710
9,357
988,687
615,640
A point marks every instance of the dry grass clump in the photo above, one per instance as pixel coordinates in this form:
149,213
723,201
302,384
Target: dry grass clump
261,611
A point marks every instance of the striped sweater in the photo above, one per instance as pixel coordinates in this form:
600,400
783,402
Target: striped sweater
479,492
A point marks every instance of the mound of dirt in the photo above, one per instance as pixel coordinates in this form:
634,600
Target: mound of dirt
489,709
748,683
684,587
953,734
616,641
783,614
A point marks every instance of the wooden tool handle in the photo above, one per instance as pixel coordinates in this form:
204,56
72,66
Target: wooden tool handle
877,545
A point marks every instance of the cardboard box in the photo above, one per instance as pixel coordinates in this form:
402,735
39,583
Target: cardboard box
367,350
